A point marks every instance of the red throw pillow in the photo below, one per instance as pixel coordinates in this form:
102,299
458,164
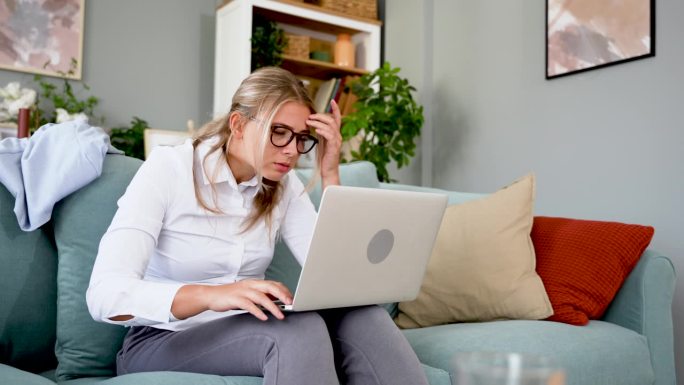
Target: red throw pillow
583,263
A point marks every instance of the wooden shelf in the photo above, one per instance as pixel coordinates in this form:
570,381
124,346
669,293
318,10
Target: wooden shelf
318,9
318,69
302,22
331,12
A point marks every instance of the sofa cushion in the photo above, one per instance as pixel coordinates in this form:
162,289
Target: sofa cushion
28,291
482,265
284,267
85,347
167,378
10,375
436,376
599,353
584,263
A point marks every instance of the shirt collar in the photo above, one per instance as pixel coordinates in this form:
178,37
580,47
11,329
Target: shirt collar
216,164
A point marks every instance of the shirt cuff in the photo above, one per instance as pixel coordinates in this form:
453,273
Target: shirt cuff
153,300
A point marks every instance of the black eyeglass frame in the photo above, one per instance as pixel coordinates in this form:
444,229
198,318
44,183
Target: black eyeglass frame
293,135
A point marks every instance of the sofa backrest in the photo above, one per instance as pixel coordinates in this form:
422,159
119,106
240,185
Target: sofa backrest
454,197
28,266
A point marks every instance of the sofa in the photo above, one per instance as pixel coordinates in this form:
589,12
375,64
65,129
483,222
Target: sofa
47,335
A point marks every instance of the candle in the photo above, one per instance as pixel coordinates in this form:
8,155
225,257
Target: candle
23,123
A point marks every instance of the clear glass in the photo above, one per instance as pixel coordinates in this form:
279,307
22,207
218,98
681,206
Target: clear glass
495,368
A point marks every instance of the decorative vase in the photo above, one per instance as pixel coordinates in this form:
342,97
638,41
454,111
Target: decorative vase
344,51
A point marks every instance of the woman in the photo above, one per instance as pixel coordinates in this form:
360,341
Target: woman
183,261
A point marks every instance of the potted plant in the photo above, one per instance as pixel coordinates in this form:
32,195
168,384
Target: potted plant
130,139
268,43
386,118
55,105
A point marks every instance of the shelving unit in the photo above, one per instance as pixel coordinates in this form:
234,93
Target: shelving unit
233,46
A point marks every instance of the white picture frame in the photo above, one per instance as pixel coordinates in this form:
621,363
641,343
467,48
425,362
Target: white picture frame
156,137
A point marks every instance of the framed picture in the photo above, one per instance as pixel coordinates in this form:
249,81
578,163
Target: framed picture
42,36
155,137
583,35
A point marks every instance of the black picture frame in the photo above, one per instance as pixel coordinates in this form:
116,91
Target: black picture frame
580,47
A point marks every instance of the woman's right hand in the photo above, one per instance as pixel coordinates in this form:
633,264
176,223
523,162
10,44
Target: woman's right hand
251,295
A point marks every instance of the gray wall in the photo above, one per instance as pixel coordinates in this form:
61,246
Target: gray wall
153,59
607,144
403,48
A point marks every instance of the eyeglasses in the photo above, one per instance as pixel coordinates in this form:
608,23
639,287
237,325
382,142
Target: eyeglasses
282,135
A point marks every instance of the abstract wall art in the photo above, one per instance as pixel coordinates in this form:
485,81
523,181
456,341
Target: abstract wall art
42,36
582,35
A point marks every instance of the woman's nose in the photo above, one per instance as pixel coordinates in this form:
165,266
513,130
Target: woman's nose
291,147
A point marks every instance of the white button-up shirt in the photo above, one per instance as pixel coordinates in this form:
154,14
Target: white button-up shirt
161,238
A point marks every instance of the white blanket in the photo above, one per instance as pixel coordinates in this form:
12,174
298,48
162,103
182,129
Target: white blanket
56,161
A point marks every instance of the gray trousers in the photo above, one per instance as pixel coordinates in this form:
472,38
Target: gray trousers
359,346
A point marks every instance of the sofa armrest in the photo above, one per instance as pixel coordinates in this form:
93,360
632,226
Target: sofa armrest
644,304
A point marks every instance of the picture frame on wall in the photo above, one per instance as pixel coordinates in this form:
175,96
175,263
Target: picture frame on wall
583,35
42,37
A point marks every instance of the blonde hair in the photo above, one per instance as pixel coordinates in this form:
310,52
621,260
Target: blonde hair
259,97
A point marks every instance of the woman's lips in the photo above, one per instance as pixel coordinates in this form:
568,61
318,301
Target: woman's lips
282,167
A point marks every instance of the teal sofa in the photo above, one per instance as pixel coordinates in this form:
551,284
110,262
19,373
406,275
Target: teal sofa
47,335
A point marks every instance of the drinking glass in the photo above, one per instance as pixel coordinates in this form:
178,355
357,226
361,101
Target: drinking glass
496,368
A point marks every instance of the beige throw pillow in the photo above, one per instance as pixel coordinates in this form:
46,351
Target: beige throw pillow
483,264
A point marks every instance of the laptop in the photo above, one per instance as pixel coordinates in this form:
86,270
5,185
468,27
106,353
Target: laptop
369,246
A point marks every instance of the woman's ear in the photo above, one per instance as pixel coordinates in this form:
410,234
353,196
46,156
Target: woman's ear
237,124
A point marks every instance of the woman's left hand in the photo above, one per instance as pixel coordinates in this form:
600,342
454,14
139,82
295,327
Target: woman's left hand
328,127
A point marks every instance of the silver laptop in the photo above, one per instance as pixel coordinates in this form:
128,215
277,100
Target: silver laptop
369,246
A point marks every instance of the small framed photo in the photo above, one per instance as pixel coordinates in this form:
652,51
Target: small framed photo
153,137
583,35
42,37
